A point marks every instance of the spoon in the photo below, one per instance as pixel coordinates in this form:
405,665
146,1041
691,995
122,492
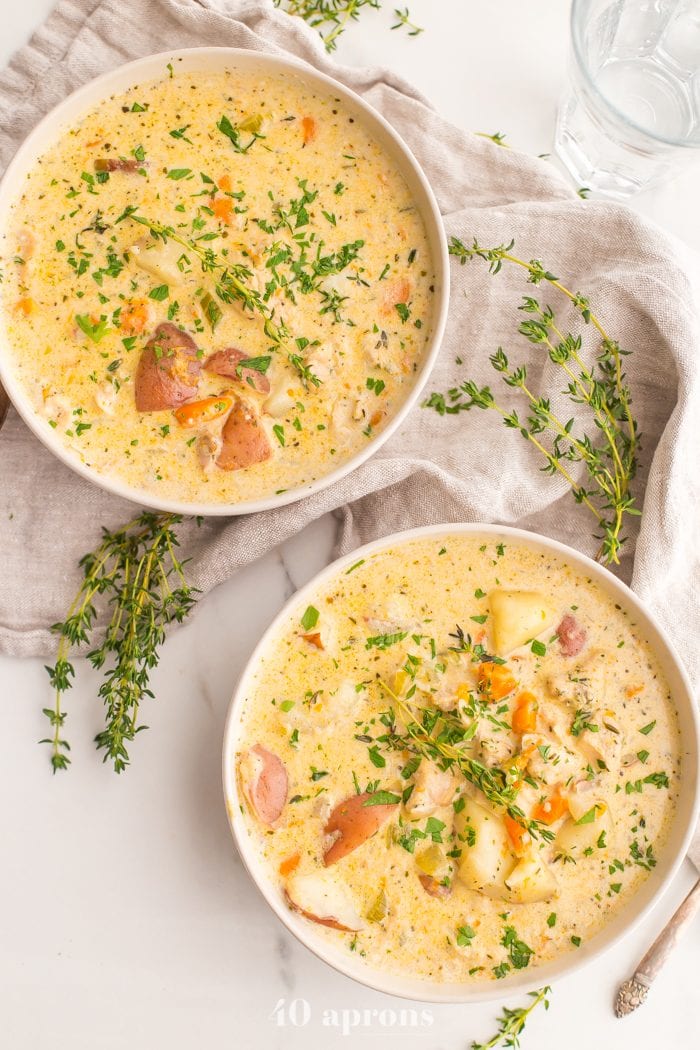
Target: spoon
633,992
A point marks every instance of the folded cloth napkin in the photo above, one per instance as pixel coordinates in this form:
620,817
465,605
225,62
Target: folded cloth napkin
466,467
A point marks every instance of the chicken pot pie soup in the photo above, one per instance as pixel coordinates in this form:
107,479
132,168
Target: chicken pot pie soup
218,286
459,760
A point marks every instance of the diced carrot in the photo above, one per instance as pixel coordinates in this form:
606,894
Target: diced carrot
518,835
25,306
134,317
288,865
525,713
225,184
495,680
551,809
309,129
223,209
314,639
196,413
633,690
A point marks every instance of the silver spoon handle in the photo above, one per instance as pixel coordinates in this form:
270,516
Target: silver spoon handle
633,992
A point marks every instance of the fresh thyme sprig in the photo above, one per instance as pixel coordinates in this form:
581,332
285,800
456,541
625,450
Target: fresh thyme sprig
403,21
230,278
611,462
231,287
137,569
332,17
513,1021
434,734
498,137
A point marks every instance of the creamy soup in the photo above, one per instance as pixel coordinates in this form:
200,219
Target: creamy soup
460,760
217,287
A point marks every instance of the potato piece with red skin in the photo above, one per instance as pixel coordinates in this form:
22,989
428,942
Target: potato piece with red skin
168,370
226,363
322,898
244,441
265,783
572,636
354,822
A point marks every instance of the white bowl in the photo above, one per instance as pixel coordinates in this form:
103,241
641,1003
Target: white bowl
625,920
218,59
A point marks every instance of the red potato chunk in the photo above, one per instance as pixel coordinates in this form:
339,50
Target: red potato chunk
244,441
168,370
226,363
572,636
265,783
353,823
320,897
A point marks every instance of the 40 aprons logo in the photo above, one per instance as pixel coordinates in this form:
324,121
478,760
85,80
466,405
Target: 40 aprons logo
298,1013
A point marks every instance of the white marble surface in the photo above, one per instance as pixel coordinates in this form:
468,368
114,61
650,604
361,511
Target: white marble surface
126,919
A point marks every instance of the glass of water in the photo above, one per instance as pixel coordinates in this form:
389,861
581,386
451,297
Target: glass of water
632,114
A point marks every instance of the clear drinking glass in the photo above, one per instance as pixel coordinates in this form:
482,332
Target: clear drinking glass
632,114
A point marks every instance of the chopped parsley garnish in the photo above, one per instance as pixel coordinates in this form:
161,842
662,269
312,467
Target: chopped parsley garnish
159,293
383,641
580,723
465,936
519,952
94,332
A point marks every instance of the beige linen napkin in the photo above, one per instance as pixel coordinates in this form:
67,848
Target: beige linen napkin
458,468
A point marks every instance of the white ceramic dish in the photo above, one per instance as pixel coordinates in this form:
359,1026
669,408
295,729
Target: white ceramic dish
217,59
624,921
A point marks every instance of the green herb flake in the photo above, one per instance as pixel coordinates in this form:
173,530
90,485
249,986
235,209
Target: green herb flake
310,618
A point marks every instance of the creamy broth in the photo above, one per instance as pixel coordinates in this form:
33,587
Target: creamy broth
550,698
230,214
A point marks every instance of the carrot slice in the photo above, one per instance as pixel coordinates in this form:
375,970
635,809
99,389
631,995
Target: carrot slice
196,413
223,209
134,317
25,306
309,129
288,865
551,810
225,184
495,680
518,835
525,713
314,639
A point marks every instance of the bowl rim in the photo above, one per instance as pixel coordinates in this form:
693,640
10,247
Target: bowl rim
626,921
148,68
